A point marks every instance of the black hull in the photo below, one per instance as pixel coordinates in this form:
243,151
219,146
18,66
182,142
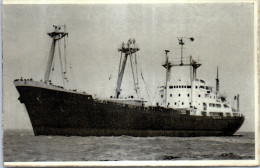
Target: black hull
56,112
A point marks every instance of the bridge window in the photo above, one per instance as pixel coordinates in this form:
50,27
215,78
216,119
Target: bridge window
189,86
188,95
161,96
170,87
170,95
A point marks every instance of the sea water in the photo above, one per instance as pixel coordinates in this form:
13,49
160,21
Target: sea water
23,146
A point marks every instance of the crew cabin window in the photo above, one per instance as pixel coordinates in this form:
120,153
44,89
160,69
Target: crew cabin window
211,105
198,95
188,95
179,95
170,95
175,103
204,106
182,103
196,87
218,105
161,96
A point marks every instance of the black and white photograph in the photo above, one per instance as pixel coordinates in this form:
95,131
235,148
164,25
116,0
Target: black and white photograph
130,83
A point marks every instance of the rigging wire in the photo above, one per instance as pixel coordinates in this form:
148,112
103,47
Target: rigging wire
65,56
155,93
146,87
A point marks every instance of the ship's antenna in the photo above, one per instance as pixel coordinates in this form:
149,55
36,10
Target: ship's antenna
56,35
182,43
217,83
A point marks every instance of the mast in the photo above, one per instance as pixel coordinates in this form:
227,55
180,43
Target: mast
238,103
217,83
56,35
168,66
127,51
192,64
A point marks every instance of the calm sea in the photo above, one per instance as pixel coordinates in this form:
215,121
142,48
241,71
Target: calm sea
23,146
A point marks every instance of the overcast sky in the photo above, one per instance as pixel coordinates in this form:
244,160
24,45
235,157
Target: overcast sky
223,36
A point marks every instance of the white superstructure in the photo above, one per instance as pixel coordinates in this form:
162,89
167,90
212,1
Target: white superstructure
194,94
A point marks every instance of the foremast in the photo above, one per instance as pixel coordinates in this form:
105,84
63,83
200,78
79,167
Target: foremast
58,33
129,50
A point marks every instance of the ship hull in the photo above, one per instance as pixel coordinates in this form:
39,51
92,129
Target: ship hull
67,113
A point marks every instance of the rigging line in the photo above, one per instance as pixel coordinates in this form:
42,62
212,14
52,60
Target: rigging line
155,93
61,66
65,57
146,87
133,73
136,70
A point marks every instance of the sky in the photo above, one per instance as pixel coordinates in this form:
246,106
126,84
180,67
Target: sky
223,36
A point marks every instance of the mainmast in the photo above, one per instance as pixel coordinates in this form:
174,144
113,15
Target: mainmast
127,51
56,35
168,65
192,62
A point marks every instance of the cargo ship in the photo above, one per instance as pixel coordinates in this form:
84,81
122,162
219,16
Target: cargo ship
184,107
